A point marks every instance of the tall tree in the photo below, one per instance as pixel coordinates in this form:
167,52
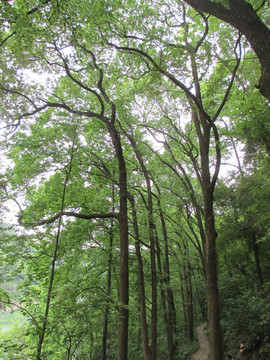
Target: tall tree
105,111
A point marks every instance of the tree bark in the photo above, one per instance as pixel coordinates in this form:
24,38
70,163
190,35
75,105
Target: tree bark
208,184
215,336
122,349
241,15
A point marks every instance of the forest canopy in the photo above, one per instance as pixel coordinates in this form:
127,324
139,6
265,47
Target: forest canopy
134,178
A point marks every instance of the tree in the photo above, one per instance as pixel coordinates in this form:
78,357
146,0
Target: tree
101,100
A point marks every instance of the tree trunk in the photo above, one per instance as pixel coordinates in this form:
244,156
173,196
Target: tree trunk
190,305
167,280
187,292
256,257
203,128
167,322
122,349
201,299
215,336
181,266
143,317
109,282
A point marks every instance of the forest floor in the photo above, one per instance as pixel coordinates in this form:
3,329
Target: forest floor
202,352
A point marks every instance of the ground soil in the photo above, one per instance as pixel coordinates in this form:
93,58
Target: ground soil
203,351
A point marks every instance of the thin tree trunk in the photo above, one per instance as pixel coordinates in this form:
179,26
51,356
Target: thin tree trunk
204,125
107,306
167,280
164,304
109,282
145,339
208,183
183,295
191,338
189,329
189,301
186,290
187,293
54,258
256,256
200,299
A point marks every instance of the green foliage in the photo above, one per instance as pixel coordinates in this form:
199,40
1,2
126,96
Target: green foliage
248,314
13,343
97,57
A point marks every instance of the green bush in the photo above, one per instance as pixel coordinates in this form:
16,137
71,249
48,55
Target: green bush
246,318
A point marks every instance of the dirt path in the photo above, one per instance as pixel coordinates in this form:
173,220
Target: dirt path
202,353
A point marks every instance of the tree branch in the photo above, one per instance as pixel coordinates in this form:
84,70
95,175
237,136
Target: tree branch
78,82
231,82
38,109
71,214
22,309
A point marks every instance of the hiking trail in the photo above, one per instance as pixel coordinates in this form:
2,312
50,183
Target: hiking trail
203,351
